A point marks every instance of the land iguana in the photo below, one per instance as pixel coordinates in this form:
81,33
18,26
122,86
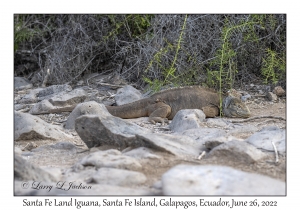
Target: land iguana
165,104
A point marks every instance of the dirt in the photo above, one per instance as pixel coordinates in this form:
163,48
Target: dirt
155,168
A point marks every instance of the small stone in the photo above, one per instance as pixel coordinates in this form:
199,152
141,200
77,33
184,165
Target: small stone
279,91
271,96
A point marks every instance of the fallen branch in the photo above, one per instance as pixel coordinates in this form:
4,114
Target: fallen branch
276,153
257,117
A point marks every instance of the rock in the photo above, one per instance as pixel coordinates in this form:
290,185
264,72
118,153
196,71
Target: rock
264,138
28,127
141,153
90,107
212,143
279,91
127,94
109,159
219,122
120,177
242,129
55,172
105,129
40,94
21,83
271,96
64,98
187,119
50,91
217,181
83,176
62,102
236,151
18,151
31,97
201,135
25,171
19,106
181,146
245,97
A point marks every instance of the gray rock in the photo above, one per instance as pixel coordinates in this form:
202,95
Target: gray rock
141,153
279,91
202,135
19,106
242,129
68,98
217,122
31,97
40,94
105,129
236,151
62,102
28,127
120,177
264,138
218,180
91,107
109,159
127,94
181,146
245,97
21,83
187,119
82,176
214,142
271,96
55,172
50,91
25,171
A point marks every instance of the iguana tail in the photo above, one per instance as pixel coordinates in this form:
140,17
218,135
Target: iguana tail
132,110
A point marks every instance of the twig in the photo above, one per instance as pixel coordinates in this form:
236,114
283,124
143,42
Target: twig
201,156
276,153
46,78
87,81
25,147
106,84
257,117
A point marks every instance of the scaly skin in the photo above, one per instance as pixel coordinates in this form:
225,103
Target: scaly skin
167,103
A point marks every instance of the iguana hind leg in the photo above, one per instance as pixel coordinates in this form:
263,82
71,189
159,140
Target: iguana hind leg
158,112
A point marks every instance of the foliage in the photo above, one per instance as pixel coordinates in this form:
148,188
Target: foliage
273,67
219,51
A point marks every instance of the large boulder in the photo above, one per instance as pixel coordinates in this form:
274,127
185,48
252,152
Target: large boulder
21,83
217,181
127,94
29,127
187,119
105,129
62,102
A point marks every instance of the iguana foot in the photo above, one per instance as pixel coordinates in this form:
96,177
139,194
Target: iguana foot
154,120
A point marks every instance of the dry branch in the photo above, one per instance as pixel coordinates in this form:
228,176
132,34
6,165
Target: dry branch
255,118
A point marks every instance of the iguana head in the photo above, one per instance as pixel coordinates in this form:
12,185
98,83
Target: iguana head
234,107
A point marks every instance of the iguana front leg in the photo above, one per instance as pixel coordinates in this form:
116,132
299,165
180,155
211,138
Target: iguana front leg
158,112
210,111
